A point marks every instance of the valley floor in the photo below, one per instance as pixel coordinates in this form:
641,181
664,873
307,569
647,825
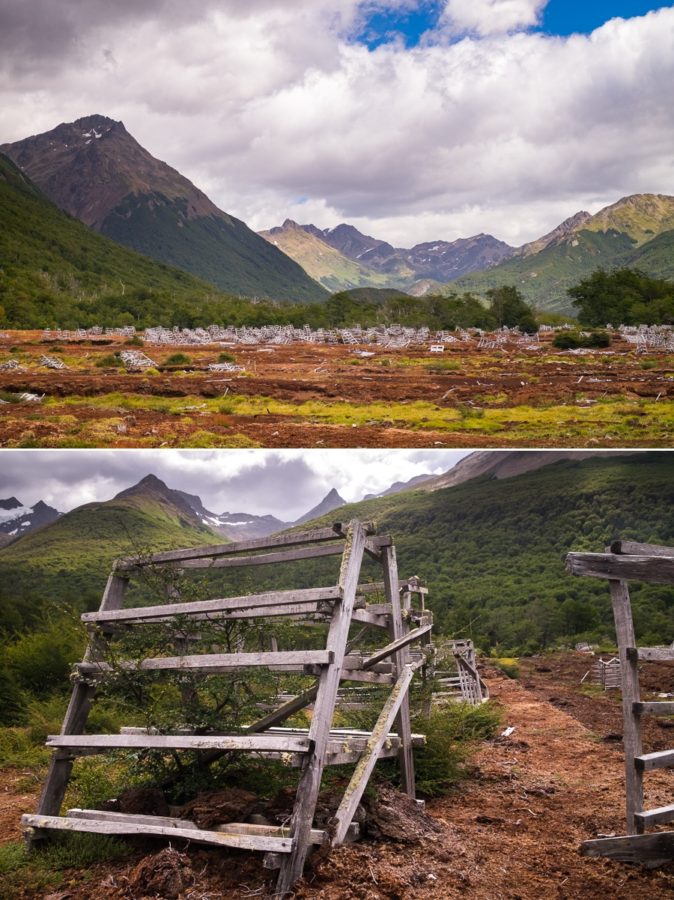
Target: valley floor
302,395
512,831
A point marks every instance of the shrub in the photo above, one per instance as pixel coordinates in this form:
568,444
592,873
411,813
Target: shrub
135,341
178,359
226,357
108,361
573,340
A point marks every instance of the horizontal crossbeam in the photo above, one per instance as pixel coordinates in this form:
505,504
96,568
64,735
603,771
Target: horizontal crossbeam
216,662
651,569
657,848
248,743
662,759
657,816
654,708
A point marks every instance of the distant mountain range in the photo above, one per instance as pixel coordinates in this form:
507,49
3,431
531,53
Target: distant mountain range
17,519
97,172
636,231
489,536
342,258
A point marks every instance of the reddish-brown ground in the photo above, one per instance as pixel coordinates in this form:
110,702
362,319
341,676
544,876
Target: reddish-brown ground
513,830
462,379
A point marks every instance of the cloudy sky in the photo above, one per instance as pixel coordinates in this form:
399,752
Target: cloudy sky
285,483
412,119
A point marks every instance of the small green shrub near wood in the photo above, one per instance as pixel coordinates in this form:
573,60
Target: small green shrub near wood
178,359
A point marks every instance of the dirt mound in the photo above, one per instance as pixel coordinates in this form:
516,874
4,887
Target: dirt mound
141,801
166,874
210,809
390,815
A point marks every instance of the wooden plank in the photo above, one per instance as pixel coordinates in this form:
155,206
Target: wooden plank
261,559
629,674
395,646
366,763
364,677
212,607
365,617
249,743
657,816
651,569
318,835
218,550
402,637
324,708
106,826
661,759
655,708
78,710
655,849
216,662
630,548
655,653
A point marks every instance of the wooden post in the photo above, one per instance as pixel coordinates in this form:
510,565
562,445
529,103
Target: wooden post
399,628
629,668
301,822
77,713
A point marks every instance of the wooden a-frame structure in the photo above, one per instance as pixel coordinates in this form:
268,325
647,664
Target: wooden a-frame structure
626,561
311,749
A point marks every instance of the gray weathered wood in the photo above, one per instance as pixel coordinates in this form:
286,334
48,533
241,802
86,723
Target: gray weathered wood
75,719
661,759
366,763
401,635
655,653
310,780
261,559
316,535
249,743
106,826
137,615
657,816
395,646
365,617
655,708
629,673
655,849
630,548
651,569
216,662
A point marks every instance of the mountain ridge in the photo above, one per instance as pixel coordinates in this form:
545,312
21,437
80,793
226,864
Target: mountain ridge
96,171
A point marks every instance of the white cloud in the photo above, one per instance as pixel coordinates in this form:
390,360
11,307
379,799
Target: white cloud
487,17
272,111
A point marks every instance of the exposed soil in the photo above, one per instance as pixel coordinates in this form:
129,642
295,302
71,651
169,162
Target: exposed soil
512,830
458,388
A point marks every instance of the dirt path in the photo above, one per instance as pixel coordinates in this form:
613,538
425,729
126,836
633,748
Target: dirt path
512,831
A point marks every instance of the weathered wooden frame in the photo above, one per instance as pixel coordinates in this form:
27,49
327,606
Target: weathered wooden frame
311,749
624,561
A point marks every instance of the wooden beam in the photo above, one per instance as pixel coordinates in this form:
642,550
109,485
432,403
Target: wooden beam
651,569
655,708
316,535
655,653
630,548
396,645
654,849
79,706
216,662
106,826
657,816
629,675
248,743
310,781
366,763
261,559
661,759
212,607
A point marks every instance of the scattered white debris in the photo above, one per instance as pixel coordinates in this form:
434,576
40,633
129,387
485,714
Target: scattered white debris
135,360
50,362
508,731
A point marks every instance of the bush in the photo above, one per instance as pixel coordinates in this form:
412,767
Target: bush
108,361
451,734
135,341
178,359
573,340
226,357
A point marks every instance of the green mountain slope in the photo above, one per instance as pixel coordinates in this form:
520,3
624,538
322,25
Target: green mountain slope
48,260
493,551
96,171
629,233
68,562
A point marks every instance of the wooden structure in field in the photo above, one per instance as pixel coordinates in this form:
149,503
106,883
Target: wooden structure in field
654,564
463,681
338,607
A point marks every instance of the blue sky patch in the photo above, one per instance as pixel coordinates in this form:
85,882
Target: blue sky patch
560,17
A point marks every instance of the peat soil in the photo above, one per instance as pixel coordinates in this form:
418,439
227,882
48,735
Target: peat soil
292,387
511,830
